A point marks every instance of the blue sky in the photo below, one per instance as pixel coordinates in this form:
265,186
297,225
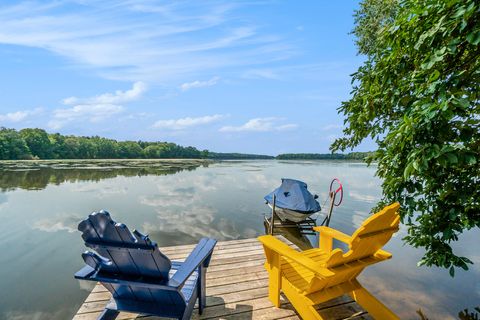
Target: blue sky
245,76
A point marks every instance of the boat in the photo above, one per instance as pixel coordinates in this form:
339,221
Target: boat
293,201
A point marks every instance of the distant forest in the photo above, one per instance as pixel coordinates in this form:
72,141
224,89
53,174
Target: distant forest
325,156
32,143
38,144
237,156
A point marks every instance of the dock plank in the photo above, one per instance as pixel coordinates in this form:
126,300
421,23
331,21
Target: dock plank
237,288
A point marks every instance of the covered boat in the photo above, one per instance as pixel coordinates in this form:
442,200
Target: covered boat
293,201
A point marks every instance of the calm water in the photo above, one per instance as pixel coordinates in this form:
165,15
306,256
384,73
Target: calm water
40,209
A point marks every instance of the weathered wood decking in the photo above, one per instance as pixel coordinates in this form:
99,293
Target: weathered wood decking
237,288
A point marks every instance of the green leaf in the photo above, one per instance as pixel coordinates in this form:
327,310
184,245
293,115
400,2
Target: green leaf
431,61
452,158
408,171
463,103
447,234
464,266
470,159
416,165
474,37
460,12
434,76
451,271
435,150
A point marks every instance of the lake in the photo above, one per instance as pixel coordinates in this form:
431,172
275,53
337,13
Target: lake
178,203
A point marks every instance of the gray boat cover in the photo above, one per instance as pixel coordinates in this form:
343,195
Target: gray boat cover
293,194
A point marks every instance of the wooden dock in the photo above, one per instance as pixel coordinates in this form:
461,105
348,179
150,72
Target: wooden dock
237,288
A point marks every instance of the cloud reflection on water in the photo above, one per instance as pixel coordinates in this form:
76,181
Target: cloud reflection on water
192,223
362,197
67,223
405,300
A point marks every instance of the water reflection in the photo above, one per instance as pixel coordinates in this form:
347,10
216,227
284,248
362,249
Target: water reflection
37,177
67,223
178,203
295,235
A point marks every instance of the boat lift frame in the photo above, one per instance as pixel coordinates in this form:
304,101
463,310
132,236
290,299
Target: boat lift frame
306,226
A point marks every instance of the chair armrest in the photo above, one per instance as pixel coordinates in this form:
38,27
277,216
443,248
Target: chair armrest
284,250
123,280
327,235
84,273
329,232
382,254
199,257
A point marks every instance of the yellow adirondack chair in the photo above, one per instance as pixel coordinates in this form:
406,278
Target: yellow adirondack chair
317,275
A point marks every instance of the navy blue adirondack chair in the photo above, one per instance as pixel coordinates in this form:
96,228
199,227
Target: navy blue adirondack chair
141,279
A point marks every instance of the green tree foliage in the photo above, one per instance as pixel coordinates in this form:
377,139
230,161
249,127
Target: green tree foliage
152,151
129,149
106,148
417,95
36,143
311,156
237,156
324,156
57,141
370,19
12,145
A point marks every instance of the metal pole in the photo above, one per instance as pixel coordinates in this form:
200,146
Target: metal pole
272,219
332,201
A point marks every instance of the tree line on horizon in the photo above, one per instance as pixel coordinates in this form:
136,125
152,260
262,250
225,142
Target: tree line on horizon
34,143
325,156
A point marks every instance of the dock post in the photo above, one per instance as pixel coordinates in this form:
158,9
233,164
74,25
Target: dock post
332,201
272,219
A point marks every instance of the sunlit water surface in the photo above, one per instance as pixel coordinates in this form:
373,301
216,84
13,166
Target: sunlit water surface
40,247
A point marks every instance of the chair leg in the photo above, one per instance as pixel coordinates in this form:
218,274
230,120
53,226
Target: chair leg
187,315
304,309
374,307
275,281
108,314
202,299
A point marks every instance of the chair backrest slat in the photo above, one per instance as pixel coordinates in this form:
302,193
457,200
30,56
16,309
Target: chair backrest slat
130,253
365,242
89,233
372,235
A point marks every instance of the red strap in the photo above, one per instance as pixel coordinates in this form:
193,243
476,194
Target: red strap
340,188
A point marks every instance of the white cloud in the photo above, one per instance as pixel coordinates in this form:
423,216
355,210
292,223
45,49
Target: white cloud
14,116
183,123
260,125
95,109
123,40
92,113
199,84
118,97
20,115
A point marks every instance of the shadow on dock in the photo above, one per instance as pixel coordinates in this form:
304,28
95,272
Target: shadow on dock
237,288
